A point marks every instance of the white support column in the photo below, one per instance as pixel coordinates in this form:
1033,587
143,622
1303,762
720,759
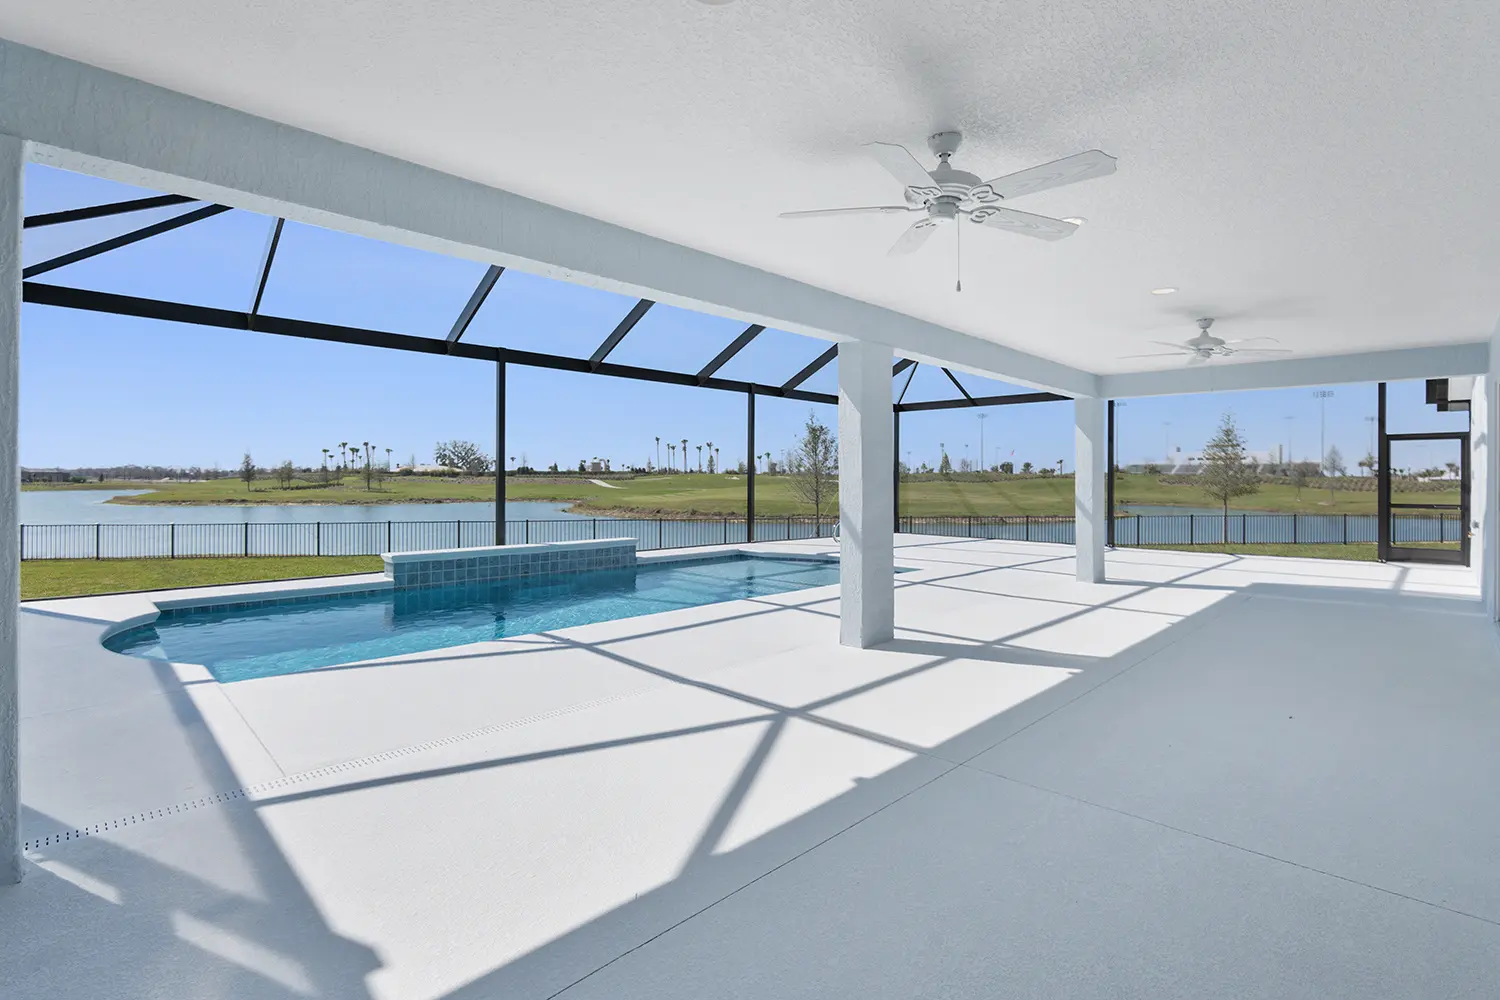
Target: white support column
12,163
1090,447
1484,485
867,584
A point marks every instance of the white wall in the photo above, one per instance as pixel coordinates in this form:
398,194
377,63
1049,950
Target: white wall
12,162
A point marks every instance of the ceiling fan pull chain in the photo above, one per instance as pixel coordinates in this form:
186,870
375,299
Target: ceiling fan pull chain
958,262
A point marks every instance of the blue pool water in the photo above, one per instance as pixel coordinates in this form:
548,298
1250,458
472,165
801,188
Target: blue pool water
240,643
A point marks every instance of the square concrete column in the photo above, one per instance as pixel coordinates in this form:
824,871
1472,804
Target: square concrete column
12,162
1090,505
867,449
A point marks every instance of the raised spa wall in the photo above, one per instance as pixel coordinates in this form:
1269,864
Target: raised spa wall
448,567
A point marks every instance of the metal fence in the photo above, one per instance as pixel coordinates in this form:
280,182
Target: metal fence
1200,529
349,538
360,538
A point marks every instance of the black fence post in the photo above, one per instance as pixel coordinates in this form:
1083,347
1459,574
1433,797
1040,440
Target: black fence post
596,528
172,540
1294,528
1192,529
388,536
97,554
1346,529
1028,527
458,531
247,538
1242,529
317,538
660,522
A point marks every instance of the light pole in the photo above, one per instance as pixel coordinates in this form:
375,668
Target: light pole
981,417
1322,396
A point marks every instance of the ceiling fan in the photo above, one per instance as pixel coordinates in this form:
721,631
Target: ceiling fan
945,195
1205,347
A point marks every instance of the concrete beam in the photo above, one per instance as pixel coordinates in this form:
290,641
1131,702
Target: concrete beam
12,165
1335,369
1090,503
867,450
87,119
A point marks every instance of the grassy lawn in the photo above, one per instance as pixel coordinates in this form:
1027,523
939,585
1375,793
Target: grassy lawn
77,577
724,495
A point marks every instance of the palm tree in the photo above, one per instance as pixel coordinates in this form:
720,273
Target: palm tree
367,452
671,449
767,457
711,463
342,446
658,451
388,460
684,455
700,457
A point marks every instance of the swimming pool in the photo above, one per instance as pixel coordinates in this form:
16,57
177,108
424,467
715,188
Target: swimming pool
240,643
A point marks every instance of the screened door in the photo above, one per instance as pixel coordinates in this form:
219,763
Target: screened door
1424,498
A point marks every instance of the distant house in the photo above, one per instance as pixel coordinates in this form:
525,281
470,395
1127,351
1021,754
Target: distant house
45,475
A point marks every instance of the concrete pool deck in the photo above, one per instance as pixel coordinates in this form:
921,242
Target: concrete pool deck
1214,775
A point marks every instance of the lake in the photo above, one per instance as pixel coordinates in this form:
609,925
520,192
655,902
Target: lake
89,507
79,524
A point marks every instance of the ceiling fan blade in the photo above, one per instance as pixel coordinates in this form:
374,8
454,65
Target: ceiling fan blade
1180,347
901,165
817,213
1163,354
1251,340
1068,170
911,241
1261,350
1024,223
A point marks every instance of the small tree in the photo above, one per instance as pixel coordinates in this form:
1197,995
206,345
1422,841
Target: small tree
1008,468
1333,462
945,466
285,473
1026,468
1333,465
814,466
247,471
1226,473
1298,475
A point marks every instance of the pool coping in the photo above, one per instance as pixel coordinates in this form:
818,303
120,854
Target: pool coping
225,598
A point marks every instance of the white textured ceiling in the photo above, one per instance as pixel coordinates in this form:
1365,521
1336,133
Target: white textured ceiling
1324,172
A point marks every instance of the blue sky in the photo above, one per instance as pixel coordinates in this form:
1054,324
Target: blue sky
103,390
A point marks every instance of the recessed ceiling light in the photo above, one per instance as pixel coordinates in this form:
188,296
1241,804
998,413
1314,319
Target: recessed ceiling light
1077,220
1162,291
